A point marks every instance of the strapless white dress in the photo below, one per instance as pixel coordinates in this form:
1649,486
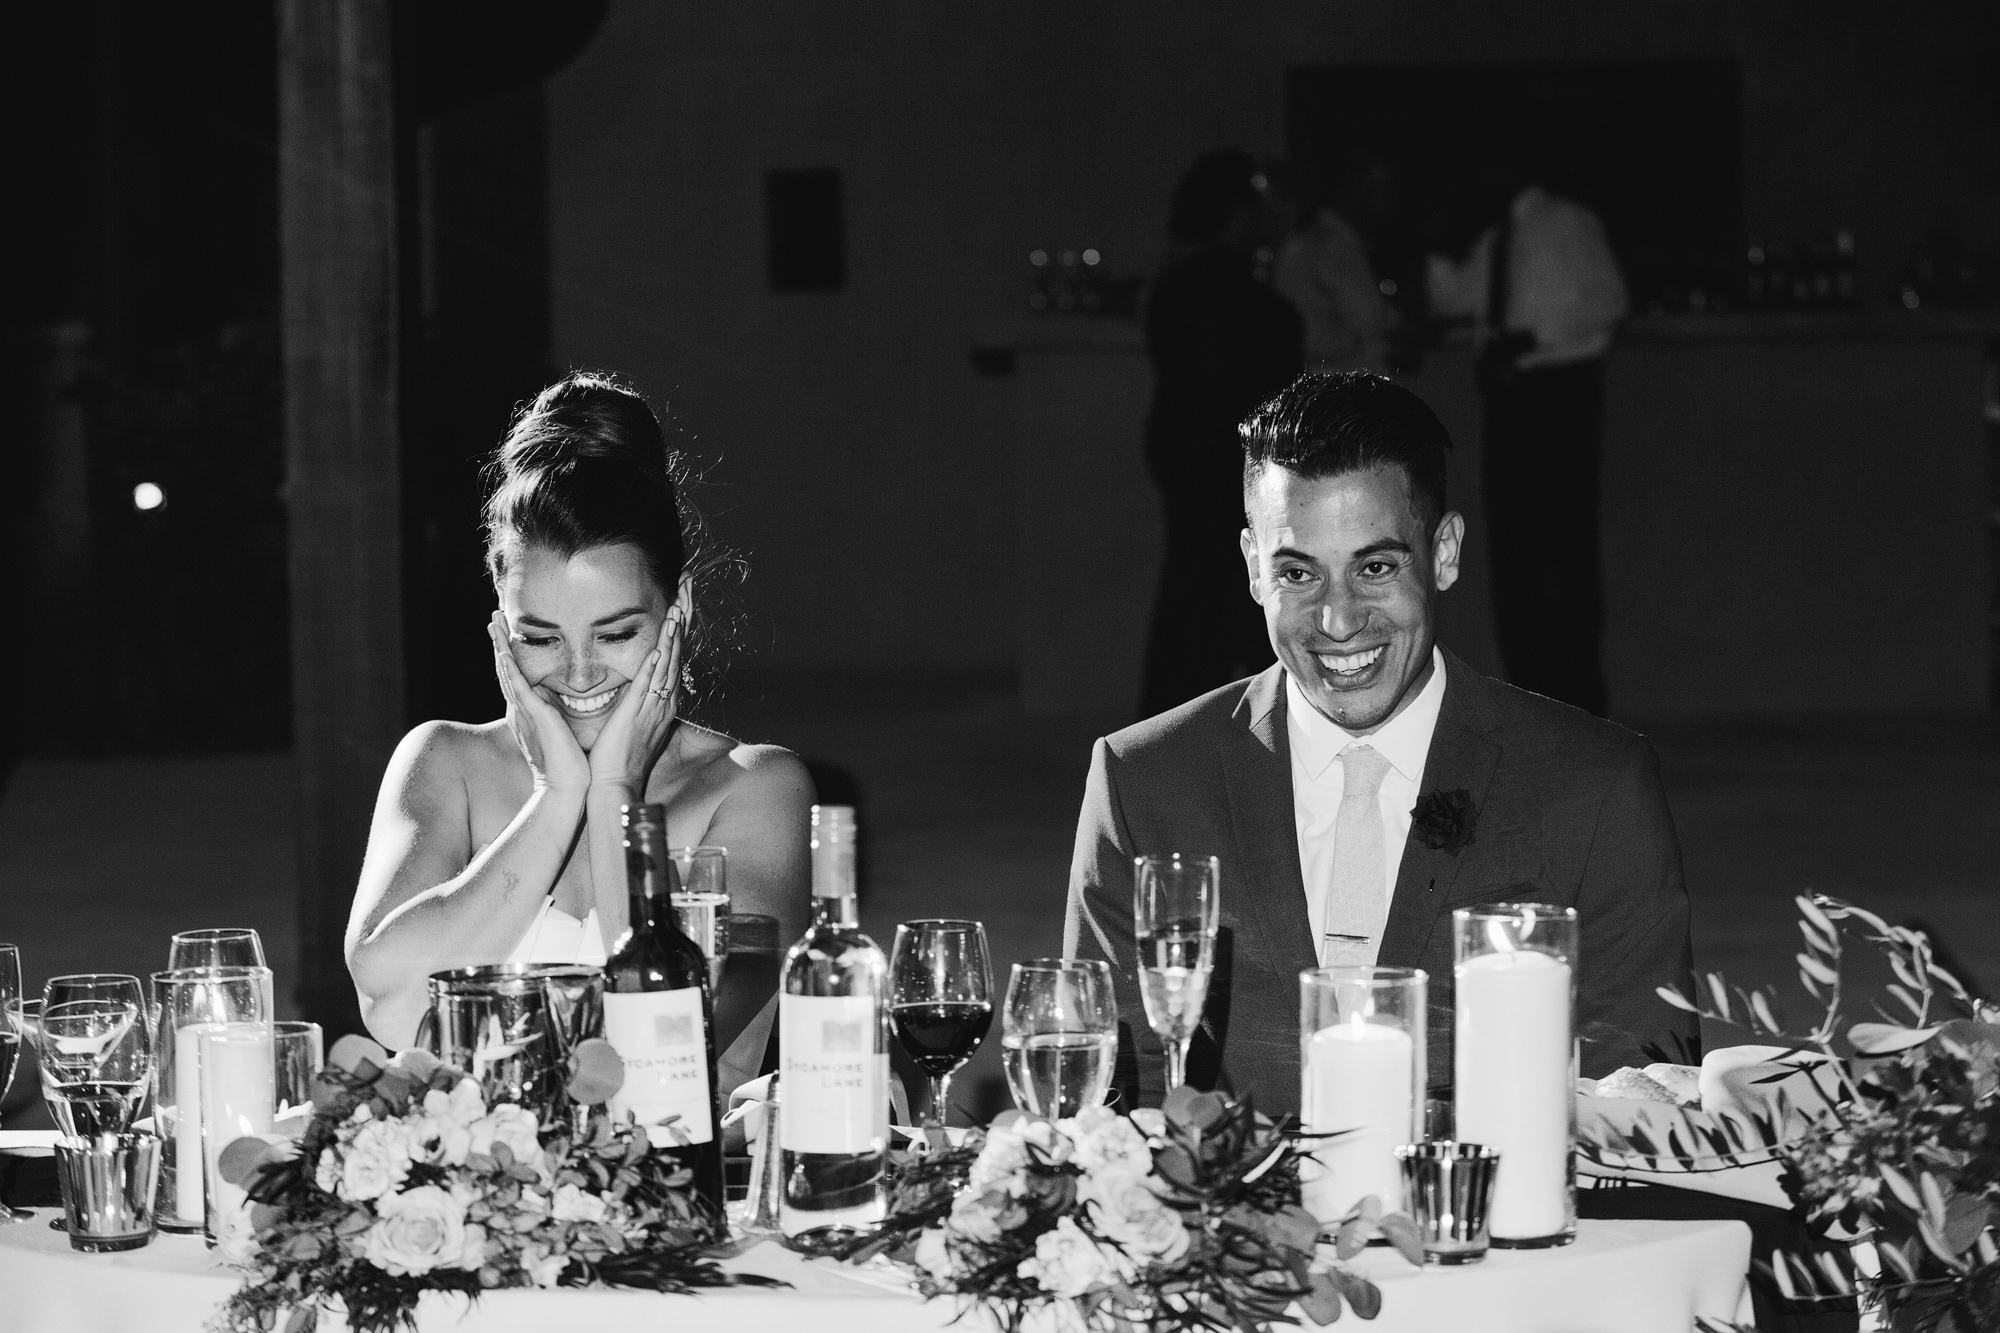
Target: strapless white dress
557,937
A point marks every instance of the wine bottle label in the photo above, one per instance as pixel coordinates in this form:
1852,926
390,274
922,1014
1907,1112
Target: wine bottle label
836,1084
659,1036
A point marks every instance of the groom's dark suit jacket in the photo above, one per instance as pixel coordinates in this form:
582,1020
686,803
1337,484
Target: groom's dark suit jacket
1570,811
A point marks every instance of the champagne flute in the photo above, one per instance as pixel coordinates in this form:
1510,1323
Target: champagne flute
702,903
96,1065
1176,907
941,997
76,987
1059,1035
230,946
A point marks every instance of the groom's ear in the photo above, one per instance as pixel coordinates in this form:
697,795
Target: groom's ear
1247,541
1445,544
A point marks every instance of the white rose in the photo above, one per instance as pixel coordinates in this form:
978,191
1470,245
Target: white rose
1106,1139
543,1269
417,1231
1004,1153
933,1255
575,1204
979,1215
376,1162
512,1125
1124,1208
1067,1262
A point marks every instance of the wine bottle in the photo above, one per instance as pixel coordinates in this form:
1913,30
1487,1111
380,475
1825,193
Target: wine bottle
833,1038
660,1015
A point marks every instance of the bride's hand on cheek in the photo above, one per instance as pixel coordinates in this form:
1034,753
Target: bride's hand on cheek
643,717
546,741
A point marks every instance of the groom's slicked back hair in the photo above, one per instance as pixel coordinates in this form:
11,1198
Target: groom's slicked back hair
1350,421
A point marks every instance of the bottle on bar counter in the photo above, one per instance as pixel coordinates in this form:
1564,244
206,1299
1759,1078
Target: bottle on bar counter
660,1015
833,1025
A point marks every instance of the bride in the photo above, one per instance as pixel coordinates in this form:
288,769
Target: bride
501,841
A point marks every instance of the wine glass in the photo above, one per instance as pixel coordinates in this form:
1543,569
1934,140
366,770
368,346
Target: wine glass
1059,1035
231,946
96,1065
702,903
941,998
10,1023
76,987
1176,907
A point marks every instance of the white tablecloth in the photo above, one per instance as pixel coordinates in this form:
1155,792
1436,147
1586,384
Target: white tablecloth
1619,1277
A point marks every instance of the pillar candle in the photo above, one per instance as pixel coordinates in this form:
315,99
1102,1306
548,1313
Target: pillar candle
1358,1077
186,1113
239,1094
1513,1085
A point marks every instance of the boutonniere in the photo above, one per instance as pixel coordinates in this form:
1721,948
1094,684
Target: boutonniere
1444,820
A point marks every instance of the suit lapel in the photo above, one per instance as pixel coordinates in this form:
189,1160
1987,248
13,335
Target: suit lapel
1460,757
1257,772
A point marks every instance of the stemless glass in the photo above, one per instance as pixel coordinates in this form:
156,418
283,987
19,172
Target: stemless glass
941,997
298,1052
1059,1035
1176,909
229,946
96,1065
112,987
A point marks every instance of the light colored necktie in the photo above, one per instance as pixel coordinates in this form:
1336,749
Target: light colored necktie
1357,902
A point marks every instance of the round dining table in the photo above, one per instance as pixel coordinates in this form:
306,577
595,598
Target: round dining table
1618,1277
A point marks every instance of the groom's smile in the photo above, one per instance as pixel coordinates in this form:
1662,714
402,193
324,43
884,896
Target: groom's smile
1348,575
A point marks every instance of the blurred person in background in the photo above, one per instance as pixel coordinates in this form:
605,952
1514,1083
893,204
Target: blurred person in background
502,841
1221,341
1325,268
1535,276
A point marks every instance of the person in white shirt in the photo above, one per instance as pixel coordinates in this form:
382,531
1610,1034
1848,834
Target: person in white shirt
1542,289
1323,269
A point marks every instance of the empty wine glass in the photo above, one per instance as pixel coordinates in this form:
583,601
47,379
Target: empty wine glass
1059,1035
231,946
1176,908
941,997
76,987
96,1063
10,1023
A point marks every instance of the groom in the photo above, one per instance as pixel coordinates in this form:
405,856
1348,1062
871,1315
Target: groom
1370,782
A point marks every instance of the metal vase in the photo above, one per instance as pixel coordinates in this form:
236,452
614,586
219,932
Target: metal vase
512,1026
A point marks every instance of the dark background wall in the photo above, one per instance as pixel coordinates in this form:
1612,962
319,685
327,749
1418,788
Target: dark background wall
861,459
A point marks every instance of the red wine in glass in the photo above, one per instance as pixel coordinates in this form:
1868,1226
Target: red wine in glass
941,1037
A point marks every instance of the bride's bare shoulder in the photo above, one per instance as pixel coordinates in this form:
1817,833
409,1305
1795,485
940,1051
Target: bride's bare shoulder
735,767
443,752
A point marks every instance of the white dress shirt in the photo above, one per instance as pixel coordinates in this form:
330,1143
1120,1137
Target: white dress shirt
1563,283
1323,269
1405,741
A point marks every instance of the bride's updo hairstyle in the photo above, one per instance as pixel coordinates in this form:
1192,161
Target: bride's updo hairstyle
587,465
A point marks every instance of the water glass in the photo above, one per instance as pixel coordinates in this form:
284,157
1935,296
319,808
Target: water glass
1059,1035
186,1003
1176,910
96,1064
230,946
298,1053
941,999
107,1190
702,902
113,987
1449,1189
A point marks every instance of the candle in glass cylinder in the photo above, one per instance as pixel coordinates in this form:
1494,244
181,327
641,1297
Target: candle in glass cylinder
1358,1079
189,1167
239,1094
1513,1086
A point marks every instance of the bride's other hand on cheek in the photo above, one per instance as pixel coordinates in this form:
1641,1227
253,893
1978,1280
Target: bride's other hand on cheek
643,718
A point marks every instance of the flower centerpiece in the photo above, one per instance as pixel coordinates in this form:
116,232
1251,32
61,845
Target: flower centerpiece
405,1181
1186,1217
1891,1145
